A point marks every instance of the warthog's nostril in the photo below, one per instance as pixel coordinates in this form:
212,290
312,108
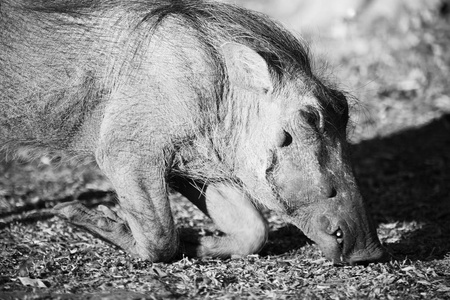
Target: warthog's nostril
328,190
332,193
287,139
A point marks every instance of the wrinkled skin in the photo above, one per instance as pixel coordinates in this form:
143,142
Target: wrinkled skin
211,100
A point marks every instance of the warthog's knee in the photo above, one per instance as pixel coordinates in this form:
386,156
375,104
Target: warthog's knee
251,239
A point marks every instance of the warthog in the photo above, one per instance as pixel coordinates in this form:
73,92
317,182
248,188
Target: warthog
211,100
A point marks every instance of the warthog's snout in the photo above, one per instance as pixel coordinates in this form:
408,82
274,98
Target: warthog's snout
345,243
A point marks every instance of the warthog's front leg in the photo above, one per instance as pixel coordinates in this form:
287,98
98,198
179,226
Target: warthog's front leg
136,164
144,226
103,222
244,229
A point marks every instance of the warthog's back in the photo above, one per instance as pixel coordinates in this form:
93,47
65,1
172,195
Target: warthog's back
51,65
61,60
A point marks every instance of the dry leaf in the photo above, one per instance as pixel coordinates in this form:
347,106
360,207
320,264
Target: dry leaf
27,281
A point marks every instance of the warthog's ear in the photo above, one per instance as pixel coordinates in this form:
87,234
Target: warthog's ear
246,68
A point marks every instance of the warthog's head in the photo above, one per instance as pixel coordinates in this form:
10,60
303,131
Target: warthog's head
292,155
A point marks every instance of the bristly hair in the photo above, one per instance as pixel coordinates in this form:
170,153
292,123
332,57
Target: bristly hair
284,53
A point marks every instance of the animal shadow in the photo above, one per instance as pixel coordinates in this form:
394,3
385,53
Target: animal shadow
405,179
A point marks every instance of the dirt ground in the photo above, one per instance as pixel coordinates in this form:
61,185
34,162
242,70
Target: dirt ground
395,58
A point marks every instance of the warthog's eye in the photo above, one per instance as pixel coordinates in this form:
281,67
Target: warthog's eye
284,139
340,107
314,118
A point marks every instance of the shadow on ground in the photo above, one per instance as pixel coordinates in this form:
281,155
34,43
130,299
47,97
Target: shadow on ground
405,178
283,240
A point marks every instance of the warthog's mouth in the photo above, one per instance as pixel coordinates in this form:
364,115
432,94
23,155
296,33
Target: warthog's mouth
345,243
339,236
347,253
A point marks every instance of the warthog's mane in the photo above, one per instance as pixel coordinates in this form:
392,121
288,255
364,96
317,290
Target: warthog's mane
284,53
